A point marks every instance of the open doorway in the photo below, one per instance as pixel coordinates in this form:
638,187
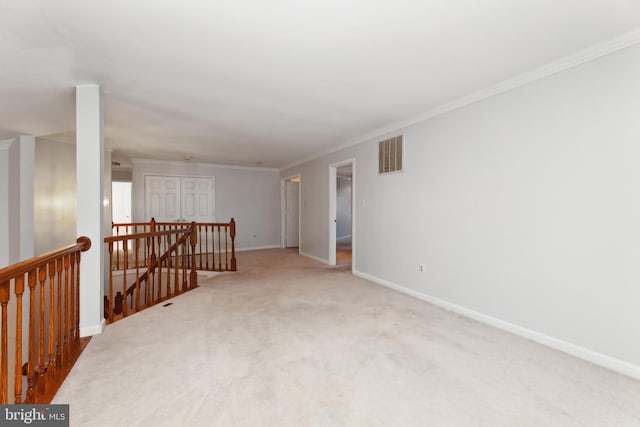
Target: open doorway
290,229
341,234
121,202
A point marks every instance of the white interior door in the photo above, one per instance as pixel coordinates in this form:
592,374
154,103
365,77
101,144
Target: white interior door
292,207
198,195
162,198
121,202
176,198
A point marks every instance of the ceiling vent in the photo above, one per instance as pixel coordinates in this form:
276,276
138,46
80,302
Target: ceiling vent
390,155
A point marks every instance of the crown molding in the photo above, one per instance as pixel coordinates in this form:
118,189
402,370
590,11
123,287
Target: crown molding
189,163
6,143
580,57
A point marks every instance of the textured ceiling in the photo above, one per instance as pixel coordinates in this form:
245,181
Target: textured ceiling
269,82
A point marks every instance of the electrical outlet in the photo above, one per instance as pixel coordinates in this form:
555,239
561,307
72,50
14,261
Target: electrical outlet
421,268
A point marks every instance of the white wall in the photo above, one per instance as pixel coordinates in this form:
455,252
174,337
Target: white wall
55,195
16,199
524,207
343,207
249,195
25,220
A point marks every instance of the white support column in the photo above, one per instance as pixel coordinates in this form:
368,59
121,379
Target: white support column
21,202
90,188
4,202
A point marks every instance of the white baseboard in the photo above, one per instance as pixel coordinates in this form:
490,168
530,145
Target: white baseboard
257,248
594,357
87,331
347,237
313,257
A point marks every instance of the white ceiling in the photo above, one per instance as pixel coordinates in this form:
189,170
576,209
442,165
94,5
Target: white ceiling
269,82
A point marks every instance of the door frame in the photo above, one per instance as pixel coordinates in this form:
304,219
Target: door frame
283,211
333,184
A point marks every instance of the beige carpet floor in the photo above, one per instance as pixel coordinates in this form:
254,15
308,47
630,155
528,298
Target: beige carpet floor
287,341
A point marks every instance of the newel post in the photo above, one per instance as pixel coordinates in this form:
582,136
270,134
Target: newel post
152,225
232,234
193,240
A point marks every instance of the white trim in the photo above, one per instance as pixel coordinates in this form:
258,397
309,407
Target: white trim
88,331
257,248
313,257
6,144
189,163
589,54
594,357
343,237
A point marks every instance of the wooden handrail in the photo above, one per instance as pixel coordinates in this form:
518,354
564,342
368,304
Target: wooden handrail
82,245
143,235
159,261
53,332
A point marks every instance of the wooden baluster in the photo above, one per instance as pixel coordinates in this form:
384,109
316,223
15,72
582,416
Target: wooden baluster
17,387
193,239
76,332
206,228
51,366
4,344
58,360
188,254
167,263
154,266
219,250
200,246
110,304
125,306
31,362
226,249
67,350
137,275
186,265
72,298
180,250
232,233
117,248
176,288
41,368
147,290
166,249
214,244
158,250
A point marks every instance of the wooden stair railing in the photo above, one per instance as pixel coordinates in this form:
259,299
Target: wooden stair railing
176,264
215,245
52,337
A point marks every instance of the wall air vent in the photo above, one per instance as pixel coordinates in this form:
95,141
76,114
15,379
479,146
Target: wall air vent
390,155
